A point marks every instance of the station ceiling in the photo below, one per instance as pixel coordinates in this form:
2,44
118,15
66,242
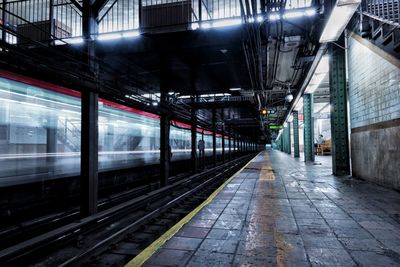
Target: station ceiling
266,61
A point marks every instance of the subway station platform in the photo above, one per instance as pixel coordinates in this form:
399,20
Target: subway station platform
280,211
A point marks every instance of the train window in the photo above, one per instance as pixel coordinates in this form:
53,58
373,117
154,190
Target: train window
128,137
39,133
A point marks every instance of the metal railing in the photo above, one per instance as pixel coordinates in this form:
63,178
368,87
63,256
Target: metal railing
39,20
384,9
48,20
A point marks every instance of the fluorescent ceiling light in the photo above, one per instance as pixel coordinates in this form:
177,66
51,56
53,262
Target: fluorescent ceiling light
226,23
195,26
310,12
260,18
274,17
206,25
338,20
299,105
77,40
109,36
320,72
130,34
293,14
235,89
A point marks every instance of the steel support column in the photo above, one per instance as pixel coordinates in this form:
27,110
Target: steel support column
223,136
296,142
89,117
165,148
338,101
230,147
308,110
194,138
289,140
214,136
89,153
5,22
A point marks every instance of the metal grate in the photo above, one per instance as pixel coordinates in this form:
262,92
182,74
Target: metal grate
384,9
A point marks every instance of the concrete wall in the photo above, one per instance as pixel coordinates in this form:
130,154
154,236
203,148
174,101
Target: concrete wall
374,96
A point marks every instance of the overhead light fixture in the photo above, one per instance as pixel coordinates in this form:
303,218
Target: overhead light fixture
130,34
226,23
260,19
76,40
274,17
195,26
289,98
109,36
264,111
320,72
235,89
338,20
206,25
310,12
293,14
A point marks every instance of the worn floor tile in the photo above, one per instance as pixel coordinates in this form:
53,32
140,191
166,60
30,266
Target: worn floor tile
297,215
183,243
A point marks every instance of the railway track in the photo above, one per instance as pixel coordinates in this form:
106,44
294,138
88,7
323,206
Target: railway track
117,234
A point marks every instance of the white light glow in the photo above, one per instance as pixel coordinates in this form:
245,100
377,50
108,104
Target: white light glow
320,72
293,14
310,12
274,17
109,36
130,34
251,20
299,105
155,104
77,40
195,26
260,18
226,23
206,25
338,20
70,111
235,89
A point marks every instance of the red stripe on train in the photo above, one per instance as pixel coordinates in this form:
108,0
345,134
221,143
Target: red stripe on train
38,83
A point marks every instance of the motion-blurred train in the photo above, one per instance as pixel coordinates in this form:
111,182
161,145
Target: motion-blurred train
40,133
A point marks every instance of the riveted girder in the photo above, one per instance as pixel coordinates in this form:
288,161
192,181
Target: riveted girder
338,101
308,109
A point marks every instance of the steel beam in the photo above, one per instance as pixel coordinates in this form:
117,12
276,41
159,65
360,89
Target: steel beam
214,137
165,148
296,142
89,154
223,137
193,139
308,109
289,141
338,101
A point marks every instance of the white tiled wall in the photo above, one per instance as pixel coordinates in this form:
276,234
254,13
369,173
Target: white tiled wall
374,86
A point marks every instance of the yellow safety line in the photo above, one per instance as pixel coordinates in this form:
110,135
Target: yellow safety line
153,247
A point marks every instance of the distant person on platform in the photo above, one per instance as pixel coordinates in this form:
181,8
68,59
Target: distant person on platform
321,139
201,147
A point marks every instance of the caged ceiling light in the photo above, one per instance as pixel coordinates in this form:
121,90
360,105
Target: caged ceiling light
338,20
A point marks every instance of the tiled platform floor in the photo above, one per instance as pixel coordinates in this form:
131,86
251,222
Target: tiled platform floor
280,211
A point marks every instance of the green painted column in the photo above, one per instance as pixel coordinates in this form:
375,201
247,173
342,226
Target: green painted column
308,110
289,140
338,101
296,142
